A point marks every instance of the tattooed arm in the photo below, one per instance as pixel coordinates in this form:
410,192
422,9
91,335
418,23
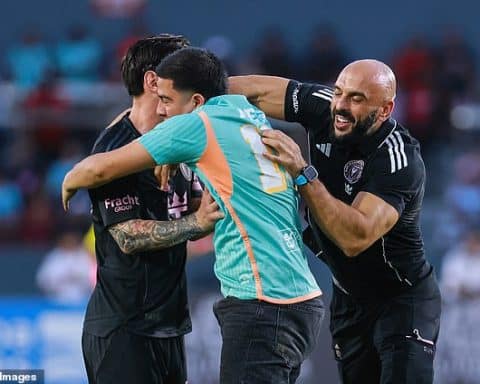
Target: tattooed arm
147,235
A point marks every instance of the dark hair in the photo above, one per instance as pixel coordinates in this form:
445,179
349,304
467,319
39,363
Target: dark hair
195,69
145,55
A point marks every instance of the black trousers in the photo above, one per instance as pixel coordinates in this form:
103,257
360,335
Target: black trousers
266,343
124,357
389,342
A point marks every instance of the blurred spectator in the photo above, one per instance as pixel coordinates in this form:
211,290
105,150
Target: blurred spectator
11,202
463,194
65,271
324,56
22,151
205,342
118,8
79,56
456,82
29,61
414,66
89,242
222,46
461,269
10,198
45,110
89,245
459,207
38,221
137,31
69,155
273,54
458,349
45,96
28,180
456,65
79,213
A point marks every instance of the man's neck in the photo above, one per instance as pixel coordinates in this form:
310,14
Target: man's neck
143,114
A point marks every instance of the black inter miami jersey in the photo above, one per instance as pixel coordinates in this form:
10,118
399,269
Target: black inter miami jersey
387,164
146,291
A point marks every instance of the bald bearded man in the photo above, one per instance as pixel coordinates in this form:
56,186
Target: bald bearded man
364,189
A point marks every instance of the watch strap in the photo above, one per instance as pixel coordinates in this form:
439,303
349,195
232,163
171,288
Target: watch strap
300,180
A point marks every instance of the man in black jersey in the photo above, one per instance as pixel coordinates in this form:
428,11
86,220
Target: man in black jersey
138,312
363,210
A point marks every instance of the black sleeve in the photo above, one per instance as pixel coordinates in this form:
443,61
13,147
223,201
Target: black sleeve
396,179
117,201
120,200
307,104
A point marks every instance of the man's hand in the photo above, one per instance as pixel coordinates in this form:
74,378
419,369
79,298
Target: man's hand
101,168
163,173
67,194
288,153
208,213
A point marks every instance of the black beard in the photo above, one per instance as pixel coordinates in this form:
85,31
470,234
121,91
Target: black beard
359,130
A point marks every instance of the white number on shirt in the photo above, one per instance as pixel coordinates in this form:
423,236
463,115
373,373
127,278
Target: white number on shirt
272,177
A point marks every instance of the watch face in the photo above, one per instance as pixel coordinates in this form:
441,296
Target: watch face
310,173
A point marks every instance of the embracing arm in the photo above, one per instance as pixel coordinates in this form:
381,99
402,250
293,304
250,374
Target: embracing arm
354,227
101,168
147,235
266,92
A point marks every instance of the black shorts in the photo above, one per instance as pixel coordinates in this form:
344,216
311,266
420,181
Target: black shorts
389,342
124,357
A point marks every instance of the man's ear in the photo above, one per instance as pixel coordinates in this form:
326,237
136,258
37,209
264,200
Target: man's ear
150,81
386,110
198,100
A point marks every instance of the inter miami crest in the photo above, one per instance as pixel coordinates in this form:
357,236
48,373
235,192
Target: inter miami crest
353,171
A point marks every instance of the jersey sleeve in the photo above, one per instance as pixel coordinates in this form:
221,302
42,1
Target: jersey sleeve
307,103
117,201
396,180
180,139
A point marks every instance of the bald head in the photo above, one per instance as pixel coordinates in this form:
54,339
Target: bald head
374,76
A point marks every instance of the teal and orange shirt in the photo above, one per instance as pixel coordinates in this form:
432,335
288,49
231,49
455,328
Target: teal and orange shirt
258,247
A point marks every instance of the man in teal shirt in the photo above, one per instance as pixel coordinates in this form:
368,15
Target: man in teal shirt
272,310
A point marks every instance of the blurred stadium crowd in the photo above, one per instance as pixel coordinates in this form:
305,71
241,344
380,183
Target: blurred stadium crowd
55,97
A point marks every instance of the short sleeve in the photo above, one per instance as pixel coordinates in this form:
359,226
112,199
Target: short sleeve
307,103
117,201
180,139
396,180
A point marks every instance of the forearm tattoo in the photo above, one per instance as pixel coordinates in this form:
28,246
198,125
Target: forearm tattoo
147,235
